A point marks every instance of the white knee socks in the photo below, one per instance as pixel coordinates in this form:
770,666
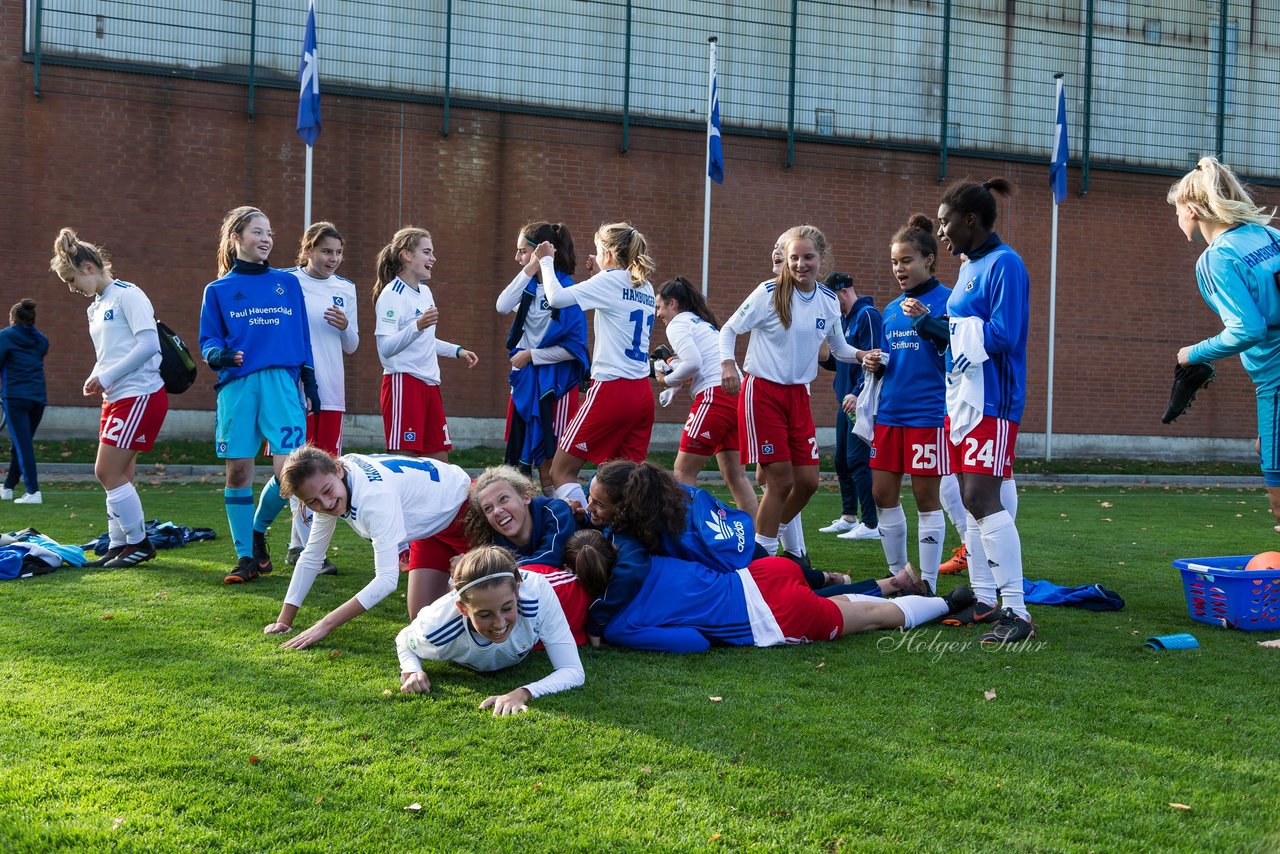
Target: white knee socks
893,536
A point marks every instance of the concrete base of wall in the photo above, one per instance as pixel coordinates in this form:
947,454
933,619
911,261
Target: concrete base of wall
365,431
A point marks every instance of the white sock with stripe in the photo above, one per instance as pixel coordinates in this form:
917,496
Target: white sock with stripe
791,535
931,533
893,536
1004,552
124,504
1009,497
980,577
917,610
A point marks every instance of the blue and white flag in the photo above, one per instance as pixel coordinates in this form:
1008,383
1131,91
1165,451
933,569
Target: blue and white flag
309,82
1058,164
715,151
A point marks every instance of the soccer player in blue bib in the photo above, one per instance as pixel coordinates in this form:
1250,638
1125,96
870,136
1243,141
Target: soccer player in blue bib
1239,278
986,390
253,332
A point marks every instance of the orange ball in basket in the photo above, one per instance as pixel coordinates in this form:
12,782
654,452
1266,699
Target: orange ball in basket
1265,560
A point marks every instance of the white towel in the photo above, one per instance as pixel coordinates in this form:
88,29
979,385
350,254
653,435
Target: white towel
864,414
966,390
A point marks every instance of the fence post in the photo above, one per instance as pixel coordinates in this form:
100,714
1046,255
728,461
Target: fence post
253,50
448,61
791,88
1223,9
943,139
626,85
1088,98
39,20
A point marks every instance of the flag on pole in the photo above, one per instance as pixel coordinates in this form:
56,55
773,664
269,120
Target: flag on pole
309,82
1058,164
715,151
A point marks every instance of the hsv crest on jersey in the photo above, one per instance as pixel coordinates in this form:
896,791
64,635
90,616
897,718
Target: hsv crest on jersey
410,436
222,447
279,290
109,314
766,448
337,301
822,323
238,295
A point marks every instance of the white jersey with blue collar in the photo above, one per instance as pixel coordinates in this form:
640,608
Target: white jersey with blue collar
116,316
786,355
328,343
402,348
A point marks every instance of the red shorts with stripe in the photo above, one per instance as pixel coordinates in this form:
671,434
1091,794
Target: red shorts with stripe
615,421
712,425
566,407
801,614
775,424
133,423
324,430
911,450
438,550
413,415
988,449
574,598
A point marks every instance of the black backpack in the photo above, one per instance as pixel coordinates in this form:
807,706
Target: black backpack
177,368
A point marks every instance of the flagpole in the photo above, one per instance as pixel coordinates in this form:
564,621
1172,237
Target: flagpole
308,125
1053,268
706,203
306,204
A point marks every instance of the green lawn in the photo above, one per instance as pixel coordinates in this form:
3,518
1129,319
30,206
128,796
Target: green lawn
145,710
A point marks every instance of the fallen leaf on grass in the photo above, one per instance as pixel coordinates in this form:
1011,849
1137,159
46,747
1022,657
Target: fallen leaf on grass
414,807
1106,505
537,786
115,825
821,664
1178,806
645,769
387,693
107,617
319,799
163,594
990,695
716,699
1106,519
714,837
254,760
335,653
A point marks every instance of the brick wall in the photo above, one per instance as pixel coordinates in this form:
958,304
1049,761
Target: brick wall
147,166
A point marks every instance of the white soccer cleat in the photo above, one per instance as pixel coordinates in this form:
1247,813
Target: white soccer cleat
861,532
838,526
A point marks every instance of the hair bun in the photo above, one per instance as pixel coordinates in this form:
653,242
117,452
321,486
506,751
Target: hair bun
920,221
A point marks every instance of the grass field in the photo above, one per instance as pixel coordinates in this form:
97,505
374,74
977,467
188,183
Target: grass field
145,710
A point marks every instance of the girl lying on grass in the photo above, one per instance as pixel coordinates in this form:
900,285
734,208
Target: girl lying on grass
494,615
685,607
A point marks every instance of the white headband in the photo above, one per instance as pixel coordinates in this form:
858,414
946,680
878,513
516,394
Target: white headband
497,576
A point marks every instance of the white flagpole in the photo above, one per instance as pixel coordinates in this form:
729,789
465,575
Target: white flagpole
706,175
1053,299
306,204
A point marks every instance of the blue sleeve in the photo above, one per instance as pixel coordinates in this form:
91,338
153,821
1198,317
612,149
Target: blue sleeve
675,639
309,359
1007,287
1223,284
213,329
554,525
629,573
44,344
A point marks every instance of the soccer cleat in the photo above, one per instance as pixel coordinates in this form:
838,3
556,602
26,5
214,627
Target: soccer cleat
838,526
860,532
907,581
801,559
29,498
1187,383
1010,628
978,612
327,568
132,554
291,558
959,599
959,562
111,554
260,553
246,570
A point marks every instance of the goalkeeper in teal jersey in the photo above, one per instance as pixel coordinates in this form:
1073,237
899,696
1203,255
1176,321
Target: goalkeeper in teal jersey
1239,278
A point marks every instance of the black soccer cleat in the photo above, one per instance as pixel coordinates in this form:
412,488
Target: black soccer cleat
260,553
1187,383
132,555
662,351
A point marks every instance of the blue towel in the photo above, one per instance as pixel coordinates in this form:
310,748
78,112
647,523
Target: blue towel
1091,597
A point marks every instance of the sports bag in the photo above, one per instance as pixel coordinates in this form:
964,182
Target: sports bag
177,368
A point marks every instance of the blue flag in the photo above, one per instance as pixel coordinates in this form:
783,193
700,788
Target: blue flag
1058,164
715,152
309,82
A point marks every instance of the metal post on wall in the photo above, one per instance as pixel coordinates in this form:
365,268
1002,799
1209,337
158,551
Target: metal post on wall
626,85
448,58
1223,9
791,88
946,81
253,50
1088,98
39,20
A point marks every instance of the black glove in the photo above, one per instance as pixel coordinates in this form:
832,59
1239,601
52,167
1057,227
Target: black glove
310,390
663,352
223,357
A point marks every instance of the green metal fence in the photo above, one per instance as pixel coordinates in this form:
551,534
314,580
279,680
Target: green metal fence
1151,87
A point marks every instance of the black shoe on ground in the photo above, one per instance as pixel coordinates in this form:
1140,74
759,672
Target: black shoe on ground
291,559
132,555
1009,629
328,568
802,559
246,570
260,553
959,599
1187,383
110,555
978,612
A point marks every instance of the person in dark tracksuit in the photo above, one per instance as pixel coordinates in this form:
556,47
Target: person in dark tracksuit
22,352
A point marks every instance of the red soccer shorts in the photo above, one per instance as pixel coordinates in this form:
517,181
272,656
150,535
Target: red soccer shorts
802,615
988,449
919,451
132,424
614,422
413,415
712,425
775,424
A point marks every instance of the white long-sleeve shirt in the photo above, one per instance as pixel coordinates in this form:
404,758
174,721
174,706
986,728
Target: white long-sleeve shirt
328,342
441,632
623,319
122,325
788,356
402,347
697,343
535,322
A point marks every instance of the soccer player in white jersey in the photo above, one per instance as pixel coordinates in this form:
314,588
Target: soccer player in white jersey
127,376
711,429
411,509
332,318
493,617
405,328
616,419
789,319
